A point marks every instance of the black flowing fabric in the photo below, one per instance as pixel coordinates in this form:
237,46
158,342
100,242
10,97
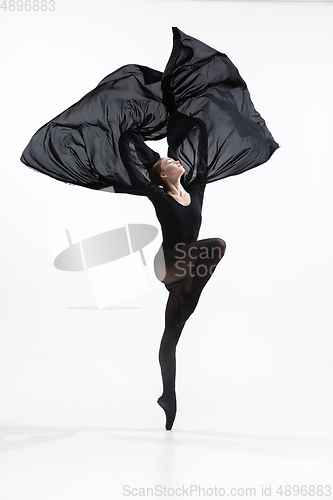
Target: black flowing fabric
81,146
201,83
200,103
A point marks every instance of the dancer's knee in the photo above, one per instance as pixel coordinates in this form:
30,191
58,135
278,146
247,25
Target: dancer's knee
213,249
219,247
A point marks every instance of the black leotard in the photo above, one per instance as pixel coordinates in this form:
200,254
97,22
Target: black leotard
179,223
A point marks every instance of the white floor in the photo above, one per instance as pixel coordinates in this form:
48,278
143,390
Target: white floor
81,419
85,463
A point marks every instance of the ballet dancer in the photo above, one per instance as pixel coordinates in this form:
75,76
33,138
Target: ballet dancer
183,264
202,105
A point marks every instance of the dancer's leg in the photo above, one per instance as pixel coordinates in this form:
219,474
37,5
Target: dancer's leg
181,262
194,263
167,353
203,270
183,298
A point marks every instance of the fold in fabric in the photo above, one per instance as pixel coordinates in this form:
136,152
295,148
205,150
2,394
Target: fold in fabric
81,146
204,84
200,103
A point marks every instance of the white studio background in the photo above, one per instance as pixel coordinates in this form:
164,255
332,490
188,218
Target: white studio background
255,371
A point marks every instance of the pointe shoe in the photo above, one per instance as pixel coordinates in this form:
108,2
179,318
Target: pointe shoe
170,408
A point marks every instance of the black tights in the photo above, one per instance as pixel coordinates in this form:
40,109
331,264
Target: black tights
184,272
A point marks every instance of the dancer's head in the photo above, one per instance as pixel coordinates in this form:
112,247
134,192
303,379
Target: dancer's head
166,170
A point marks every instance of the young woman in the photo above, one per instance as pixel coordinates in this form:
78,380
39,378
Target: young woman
183,264
203,107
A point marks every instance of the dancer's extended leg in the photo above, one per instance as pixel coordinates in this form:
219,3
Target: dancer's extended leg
167,353
185,284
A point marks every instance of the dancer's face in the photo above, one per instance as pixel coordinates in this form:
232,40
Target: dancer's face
171,168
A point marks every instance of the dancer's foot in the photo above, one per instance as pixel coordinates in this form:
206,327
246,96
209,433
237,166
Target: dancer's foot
170,407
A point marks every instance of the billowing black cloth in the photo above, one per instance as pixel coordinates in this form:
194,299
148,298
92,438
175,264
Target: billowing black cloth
200,103
203,84
82,145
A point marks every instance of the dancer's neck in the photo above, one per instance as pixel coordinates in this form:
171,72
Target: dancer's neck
176,189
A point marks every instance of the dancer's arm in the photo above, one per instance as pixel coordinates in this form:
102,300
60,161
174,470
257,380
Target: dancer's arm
188,142
138,159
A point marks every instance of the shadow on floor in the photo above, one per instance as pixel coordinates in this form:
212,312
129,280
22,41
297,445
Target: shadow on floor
303,447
